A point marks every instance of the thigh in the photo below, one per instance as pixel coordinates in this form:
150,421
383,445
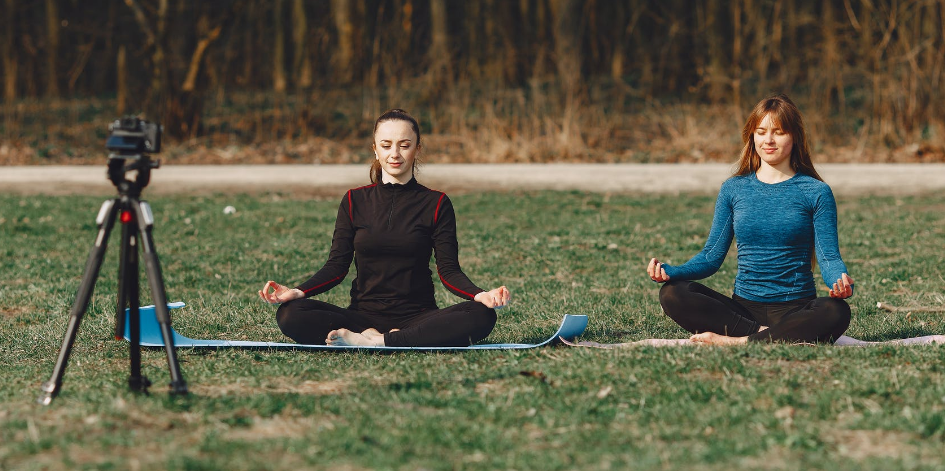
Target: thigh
816,320
779,311
698,308
459,325
308,321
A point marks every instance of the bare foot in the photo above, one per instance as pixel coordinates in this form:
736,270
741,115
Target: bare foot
718,339
373,334
345,337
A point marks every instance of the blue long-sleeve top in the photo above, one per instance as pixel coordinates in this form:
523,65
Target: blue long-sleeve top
775,227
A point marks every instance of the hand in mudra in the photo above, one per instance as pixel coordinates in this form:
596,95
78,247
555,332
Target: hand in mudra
494,299
656,271
274,293
843,288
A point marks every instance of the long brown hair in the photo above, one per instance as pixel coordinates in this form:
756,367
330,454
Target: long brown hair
785,114
395,114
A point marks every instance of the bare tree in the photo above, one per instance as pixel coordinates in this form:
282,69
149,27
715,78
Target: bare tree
567,20
177,104
716,69
831,63
438,56
278,48
121,80
343,58
9,52
52,48
302,60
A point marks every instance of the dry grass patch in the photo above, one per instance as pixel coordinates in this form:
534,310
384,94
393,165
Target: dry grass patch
281,426
283,385
866,444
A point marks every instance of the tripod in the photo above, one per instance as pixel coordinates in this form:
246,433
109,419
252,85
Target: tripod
137,221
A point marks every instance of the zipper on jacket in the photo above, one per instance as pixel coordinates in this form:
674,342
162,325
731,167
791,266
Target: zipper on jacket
390,216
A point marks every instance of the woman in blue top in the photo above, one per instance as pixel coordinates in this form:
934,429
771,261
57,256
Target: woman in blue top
781,214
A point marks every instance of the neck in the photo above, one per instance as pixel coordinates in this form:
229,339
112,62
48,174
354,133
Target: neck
403,180
775,173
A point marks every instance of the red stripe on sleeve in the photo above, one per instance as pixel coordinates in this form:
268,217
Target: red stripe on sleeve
437,212
350,209
313,288
442,280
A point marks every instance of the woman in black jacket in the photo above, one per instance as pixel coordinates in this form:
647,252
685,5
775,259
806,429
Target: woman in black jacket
390,229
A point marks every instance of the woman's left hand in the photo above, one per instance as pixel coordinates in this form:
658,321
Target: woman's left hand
495,299
843,288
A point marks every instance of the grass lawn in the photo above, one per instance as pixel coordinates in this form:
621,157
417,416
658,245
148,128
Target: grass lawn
758,406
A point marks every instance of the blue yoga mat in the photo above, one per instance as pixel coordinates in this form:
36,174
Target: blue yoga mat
571,327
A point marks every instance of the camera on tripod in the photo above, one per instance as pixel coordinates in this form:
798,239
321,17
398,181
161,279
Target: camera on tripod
131,136
130,142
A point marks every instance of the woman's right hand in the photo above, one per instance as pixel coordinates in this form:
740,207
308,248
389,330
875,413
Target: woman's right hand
274,293
656,271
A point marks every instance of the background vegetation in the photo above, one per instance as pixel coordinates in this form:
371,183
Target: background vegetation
492,80
758,406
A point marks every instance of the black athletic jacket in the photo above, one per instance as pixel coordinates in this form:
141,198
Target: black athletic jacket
390,231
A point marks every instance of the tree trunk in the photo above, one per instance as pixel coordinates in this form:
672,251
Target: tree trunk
52,48
249,51
301,62
438,56
716,73
737,50
155,37
121,81
618,61
9,52
794,58
343,58
278,48
567,20
831,61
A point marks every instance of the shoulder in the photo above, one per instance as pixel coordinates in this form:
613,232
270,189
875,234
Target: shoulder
362,189
734,185
813,187
737,181
357,194
431,194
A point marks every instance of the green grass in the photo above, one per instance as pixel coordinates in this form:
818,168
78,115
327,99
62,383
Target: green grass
759,406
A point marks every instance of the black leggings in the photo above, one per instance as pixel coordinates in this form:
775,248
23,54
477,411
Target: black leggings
697,308
308,321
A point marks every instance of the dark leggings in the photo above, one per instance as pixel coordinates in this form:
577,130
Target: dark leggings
697,308
308,321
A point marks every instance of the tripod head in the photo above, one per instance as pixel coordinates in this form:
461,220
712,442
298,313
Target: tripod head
119,166
130,141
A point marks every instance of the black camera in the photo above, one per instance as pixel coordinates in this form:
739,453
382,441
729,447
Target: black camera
130,135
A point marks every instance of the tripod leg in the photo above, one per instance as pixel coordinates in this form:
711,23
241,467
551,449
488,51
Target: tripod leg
122,280
105,221
131,293
152,266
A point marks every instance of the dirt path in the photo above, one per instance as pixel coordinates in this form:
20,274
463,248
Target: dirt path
332,179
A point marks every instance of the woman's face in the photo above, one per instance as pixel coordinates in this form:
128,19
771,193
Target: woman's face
396,146
772,143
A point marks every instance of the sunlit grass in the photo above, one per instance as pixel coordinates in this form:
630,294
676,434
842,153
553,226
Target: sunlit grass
783,407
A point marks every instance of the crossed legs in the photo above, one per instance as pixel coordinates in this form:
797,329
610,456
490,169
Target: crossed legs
309,321
716,318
